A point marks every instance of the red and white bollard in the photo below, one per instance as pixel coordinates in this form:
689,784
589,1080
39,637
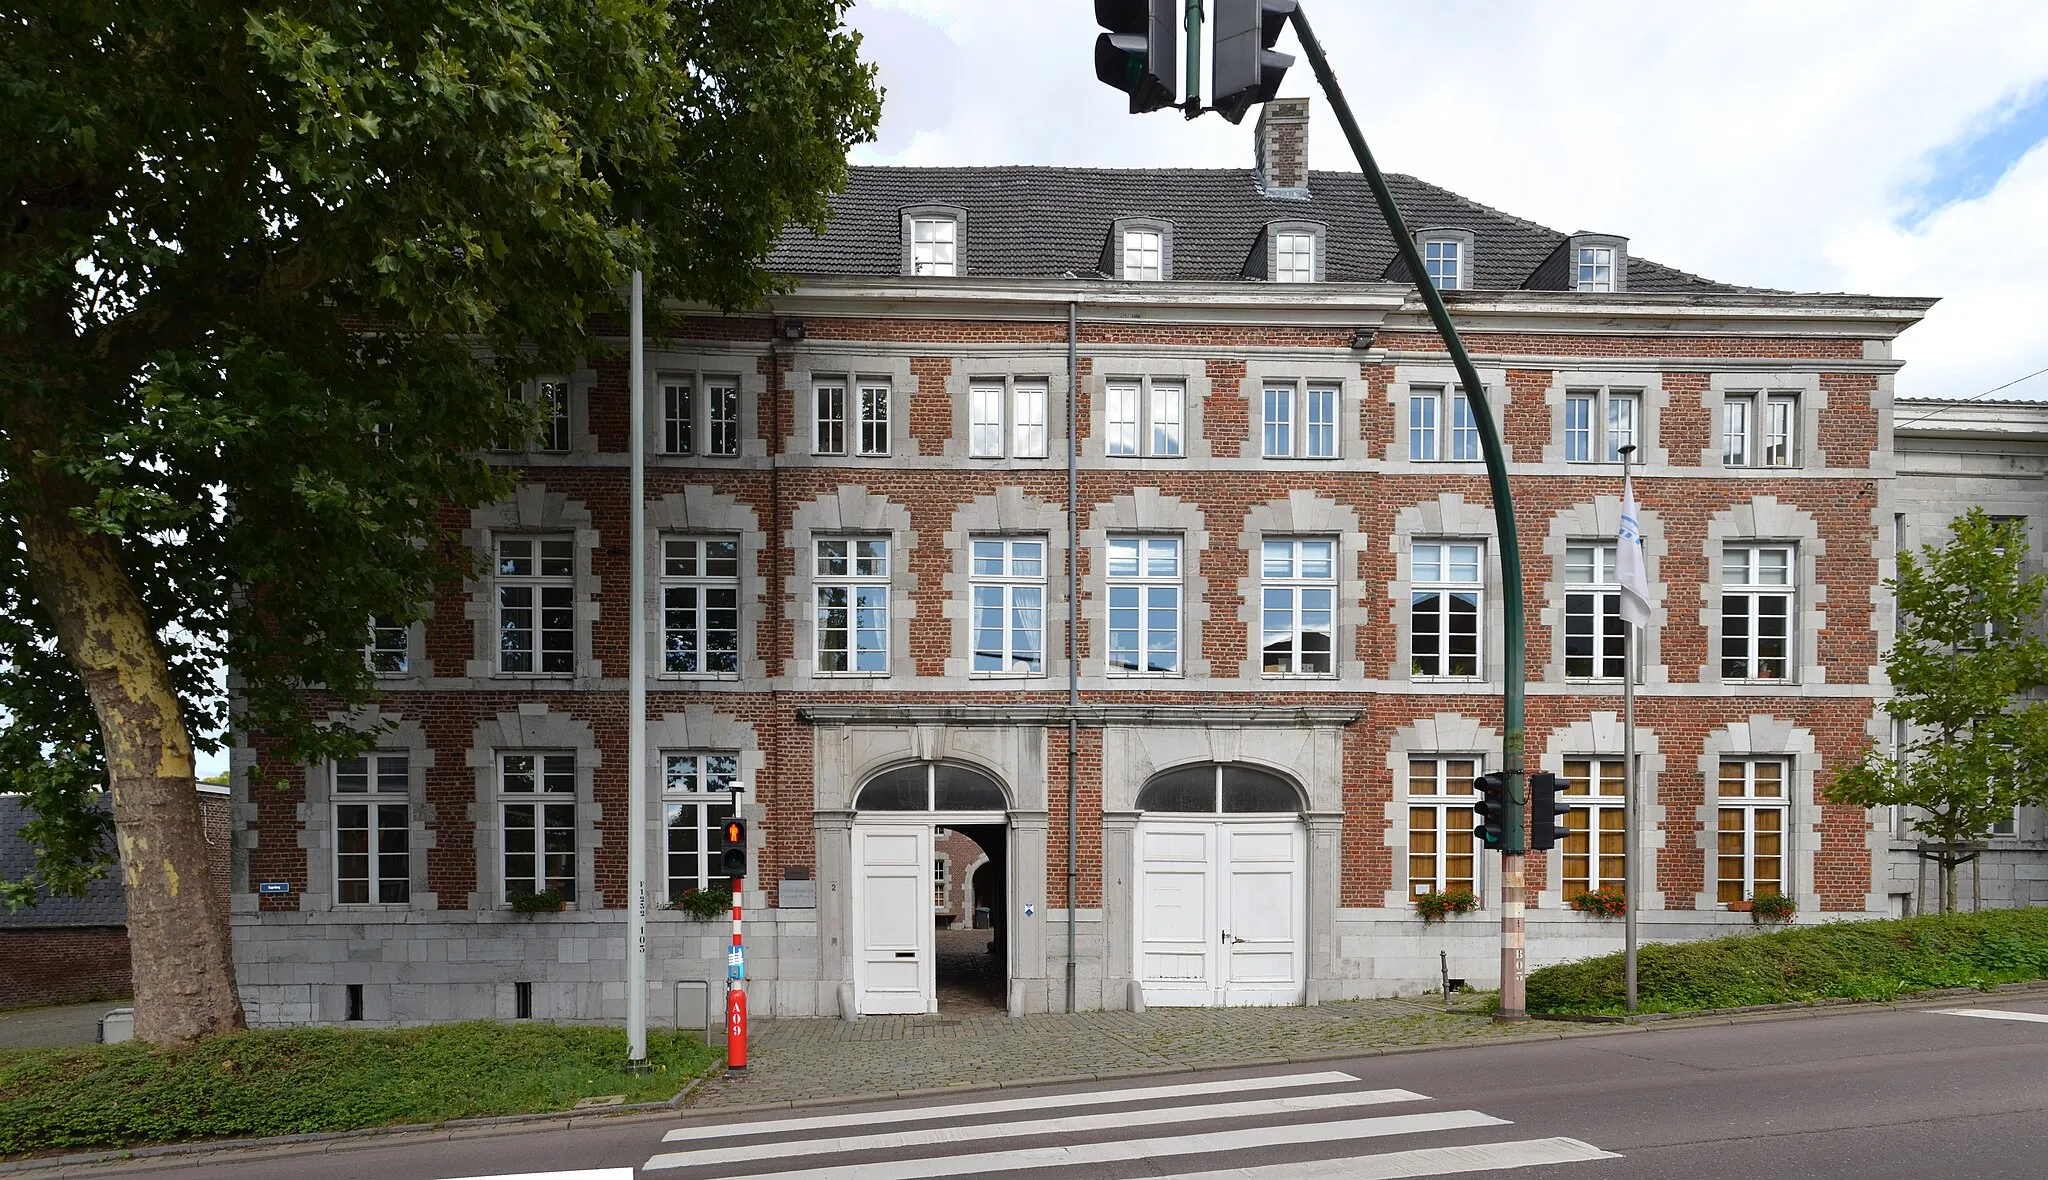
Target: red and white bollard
736,992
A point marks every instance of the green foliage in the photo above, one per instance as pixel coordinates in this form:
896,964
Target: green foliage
1770,906
705,904
268,272
294,1081
1966,652
1435,904
1840,960
547,901
1608,901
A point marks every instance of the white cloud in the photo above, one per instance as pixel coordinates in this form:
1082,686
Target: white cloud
1760,143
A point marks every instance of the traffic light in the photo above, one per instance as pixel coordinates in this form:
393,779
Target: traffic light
1137,54
1493,807
1248,72
1546,804
732,862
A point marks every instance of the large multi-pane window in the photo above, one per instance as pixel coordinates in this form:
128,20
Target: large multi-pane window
1144,418
537,814
700,606
1595,268
1760,430
372,830
1598,423
1434,434
1444,607
870,424
874,418
1143,255
932,246
1144,584
537,605
1294,258
697,799
1007,583
828,418
993,433
1298,606
1595,634
1595,855
1299,422
1440,822
1750,850
1756,612
700,425
551,397
389,650
1440,258
852,580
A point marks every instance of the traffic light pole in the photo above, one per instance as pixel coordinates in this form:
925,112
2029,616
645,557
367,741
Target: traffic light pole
1513,1008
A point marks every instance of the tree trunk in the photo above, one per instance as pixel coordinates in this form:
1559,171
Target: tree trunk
177,923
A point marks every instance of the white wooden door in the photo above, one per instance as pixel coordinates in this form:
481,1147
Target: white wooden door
892,908
1177,931
1261,891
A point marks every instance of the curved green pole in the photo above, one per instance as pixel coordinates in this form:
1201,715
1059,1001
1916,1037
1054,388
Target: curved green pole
1516,671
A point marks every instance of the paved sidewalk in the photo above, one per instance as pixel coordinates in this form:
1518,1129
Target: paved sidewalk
56,1026
792,1060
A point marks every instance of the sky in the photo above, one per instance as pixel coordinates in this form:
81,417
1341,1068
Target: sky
1879,147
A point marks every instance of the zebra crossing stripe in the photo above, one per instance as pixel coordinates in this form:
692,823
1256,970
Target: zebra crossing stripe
972,1133
1006,1105
1424,1161
1118,1151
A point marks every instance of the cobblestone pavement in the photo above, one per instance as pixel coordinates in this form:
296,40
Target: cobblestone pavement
791,1060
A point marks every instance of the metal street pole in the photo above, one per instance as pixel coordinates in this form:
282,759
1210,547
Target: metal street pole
1630,813
1513,1007
636,707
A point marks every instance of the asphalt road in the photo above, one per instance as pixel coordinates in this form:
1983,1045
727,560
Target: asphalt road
1866,1093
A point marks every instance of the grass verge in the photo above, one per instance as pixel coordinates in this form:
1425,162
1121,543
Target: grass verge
299,1080
1880,960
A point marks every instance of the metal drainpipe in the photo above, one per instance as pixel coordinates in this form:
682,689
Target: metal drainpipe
1073,629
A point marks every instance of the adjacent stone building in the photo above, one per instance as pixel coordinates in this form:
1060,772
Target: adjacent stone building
1274,593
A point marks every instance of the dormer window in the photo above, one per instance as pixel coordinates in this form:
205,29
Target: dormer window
1294,258
1446,257
933,239
1596,268
1585,262
1441,259
1143,255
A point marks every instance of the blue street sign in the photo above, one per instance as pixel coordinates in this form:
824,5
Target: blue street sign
274,887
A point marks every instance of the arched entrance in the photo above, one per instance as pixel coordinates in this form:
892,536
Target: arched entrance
896,876
1221,907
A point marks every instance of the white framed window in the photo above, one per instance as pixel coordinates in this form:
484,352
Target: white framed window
1435,435
551,395
697,799
933,245
1598,423
1760,430
987,436
372,830
1750,841
537,816
1299,422
1144,585
874,418
1298,606
828,418
700,425
1144,418
1756,612
390,647
1595,268
1441,259
852,583
700,606
1440,821
1595,634
1595,855
1144,255
1007,585
2009,826
1444,608
941,885
1294,258
537,606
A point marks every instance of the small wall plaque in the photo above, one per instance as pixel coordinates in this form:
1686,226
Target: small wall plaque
274,887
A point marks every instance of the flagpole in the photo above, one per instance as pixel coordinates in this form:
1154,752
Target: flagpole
1629,811
636,698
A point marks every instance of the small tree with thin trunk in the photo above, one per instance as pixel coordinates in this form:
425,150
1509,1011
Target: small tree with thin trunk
1965,659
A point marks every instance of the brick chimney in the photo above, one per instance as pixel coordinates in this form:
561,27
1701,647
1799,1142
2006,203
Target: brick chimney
1281,143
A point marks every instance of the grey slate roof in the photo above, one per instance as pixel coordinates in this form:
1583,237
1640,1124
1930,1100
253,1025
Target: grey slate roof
102,904
1044,222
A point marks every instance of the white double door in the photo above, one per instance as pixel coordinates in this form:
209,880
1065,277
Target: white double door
1220,912
894,968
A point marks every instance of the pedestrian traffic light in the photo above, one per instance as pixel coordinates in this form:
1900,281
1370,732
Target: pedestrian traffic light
732,862
1248,71
1546,804
1493,807
1137,54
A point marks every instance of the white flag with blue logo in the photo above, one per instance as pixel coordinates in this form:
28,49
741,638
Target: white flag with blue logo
1628,561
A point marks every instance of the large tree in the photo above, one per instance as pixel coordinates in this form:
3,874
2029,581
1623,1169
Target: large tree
1967,655
266,271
